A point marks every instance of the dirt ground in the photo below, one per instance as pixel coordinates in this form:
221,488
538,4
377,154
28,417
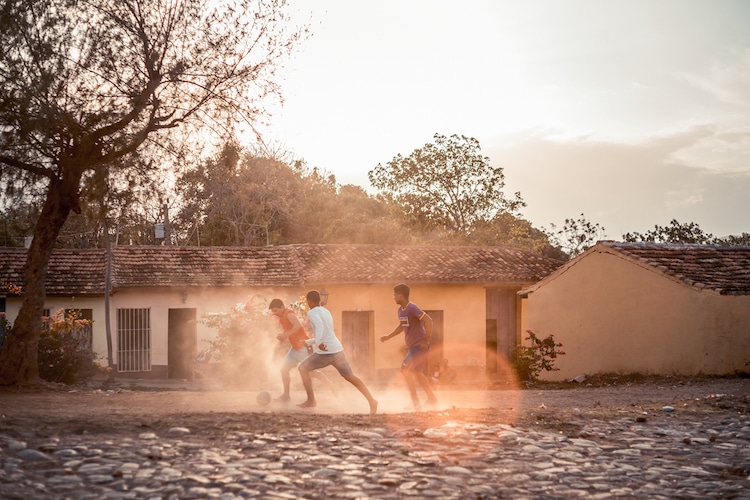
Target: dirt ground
56,411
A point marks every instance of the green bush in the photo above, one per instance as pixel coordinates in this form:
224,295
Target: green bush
65,354
540,354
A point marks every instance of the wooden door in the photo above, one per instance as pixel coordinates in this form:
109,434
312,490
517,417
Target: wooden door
357,338
181,343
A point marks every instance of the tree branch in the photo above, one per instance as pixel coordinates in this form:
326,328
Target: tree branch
12,162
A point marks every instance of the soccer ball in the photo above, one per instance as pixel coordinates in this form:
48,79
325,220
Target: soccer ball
263,398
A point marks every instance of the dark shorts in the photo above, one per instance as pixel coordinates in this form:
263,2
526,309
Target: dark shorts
416,359
317,361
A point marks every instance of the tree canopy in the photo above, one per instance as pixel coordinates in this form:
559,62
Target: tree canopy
270,201
446,184
675,232
92,94
576,235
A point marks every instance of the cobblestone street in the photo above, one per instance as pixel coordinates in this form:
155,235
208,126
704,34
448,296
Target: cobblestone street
619,442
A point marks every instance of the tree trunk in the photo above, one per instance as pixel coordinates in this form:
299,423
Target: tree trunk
19,355
107,293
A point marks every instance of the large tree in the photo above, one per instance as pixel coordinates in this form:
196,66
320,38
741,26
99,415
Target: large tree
91,89
447,184
235,199
272,200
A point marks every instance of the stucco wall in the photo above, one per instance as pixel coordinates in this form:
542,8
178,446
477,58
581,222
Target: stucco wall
463,309
463,306
615,316
99,345
204,301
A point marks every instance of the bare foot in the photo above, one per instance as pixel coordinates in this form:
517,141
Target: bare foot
307,404
415,406
373,407
431,402
283,399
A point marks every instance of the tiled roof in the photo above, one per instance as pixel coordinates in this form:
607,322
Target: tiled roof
70,271
724,269
421,264
82,271
136,266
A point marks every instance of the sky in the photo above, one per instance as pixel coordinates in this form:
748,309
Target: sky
630,112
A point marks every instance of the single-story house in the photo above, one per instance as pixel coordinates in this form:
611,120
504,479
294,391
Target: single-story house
646,308
159,294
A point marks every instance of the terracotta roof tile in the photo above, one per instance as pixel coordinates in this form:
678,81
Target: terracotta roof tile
82,271
136,266
723,269
421,264
70,271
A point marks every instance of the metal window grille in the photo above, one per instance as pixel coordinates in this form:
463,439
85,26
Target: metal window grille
133,340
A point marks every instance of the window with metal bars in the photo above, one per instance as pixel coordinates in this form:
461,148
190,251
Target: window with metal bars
133,340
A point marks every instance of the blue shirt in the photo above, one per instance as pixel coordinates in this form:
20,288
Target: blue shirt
411,321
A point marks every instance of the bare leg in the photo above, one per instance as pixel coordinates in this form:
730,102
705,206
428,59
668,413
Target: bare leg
285,380
319,375
409,378
425,384
307,382
357,382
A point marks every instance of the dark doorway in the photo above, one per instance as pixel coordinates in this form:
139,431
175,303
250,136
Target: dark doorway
502,307
357,339
181,343
491,344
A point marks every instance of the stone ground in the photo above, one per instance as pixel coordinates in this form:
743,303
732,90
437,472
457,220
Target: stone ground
617,421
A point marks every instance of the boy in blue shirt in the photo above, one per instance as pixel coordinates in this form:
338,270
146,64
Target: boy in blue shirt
417,327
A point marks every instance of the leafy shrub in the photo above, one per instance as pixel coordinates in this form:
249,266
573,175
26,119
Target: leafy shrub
4,328
246,342
65,354
540,355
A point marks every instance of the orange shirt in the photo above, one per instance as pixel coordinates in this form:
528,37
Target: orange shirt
297,339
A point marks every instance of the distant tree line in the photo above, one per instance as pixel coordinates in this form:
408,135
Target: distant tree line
444,193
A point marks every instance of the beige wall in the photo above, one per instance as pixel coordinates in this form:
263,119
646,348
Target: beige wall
615,316
13,305
463,309
204,301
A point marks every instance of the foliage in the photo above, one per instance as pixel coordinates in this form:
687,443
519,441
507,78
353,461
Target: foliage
65,354
507,229
734,240
245,341
272,202
446,184
5,327
689,233
576,235
250,210
540,354
93,95
675,232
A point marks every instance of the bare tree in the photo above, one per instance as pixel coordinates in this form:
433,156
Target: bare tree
576,235
96,90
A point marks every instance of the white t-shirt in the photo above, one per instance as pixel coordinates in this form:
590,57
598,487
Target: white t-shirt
322,327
